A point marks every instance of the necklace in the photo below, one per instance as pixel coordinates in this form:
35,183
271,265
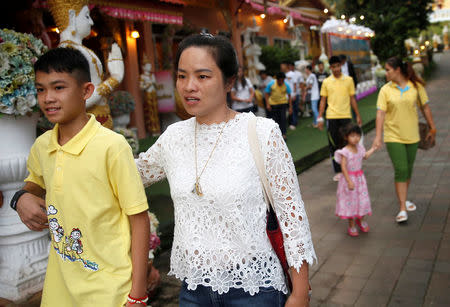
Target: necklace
197,188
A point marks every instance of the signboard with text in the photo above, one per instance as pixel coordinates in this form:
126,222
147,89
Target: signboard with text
165,91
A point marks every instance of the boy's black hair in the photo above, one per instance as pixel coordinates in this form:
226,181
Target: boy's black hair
68,60
280,75
342,57
334,59
309,67
319,62
349,129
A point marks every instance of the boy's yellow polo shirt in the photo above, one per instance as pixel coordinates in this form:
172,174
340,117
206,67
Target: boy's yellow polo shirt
401,122
92,185
338,92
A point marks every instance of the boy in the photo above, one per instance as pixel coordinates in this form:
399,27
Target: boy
338,92
278,99
94,198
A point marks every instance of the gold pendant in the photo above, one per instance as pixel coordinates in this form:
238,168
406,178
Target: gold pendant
197,189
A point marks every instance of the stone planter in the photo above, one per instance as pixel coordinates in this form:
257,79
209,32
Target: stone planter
23,253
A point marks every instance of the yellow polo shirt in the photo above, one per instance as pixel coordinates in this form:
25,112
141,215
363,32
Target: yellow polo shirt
278,94
92,185
401,122
338,92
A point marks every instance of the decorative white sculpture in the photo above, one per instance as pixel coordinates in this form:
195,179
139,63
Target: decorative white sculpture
436,41
73,20
147,83
252,52
23,253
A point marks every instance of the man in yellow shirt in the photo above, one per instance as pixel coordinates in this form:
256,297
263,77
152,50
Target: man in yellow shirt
84,183
338,91
278,99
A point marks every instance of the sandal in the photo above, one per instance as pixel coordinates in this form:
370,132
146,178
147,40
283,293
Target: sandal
410,206
363,226
402,216
352,231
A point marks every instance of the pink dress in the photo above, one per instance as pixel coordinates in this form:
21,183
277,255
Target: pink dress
352,203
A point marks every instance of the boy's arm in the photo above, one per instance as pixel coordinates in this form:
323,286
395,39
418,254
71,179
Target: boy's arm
31,207
140,244
320,120
355,108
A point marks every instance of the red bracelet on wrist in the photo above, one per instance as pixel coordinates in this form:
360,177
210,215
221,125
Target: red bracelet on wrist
142,300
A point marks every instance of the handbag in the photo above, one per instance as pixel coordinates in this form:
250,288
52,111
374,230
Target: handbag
273,228
424,129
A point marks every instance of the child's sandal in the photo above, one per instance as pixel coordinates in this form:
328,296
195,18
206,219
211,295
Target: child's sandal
363,226
352,231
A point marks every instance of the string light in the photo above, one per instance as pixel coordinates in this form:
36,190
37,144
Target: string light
342,16
427,43
361,17
325,10
262,15
135,34
285,20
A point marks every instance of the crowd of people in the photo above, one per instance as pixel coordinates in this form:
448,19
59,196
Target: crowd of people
221,252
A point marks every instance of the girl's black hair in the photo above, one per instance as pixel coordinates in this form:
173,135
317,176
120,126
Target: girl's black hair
67,60
349,129
406,70
240,79
220,49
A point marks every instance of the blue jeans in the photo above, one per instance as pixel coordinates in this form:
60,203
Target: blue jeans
314,105
206,297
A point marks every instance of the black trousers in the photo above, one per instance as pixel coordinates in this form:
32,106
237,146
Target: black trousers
278,114
335,138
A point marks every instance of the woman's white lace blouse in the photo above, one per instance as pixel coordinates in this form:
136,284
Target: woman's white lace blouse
220,238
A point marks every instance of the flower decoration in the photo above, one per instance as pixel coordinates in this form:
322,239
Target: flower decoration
18,53
121,102
155,242
131,138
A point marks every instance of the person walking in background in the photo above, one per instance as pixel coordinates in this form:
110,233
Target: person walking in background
397,117
321,74
348,69
312,89
291,80
242,93
220,250
352,196
278,100
265,80
338,92
300,82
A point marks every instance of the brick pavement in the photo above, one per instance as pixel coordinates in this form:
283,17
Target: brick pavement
392,265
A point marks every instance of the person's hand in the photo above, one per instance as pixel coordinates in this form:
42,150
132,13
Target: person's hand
115,63
290,110
153,278
359,121
377,143
268,107
32,212
320,122
351,185
430,137
297,301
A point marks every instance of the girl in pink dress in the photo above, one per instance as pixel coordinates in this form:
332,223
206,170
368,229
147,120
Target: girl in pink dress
353,202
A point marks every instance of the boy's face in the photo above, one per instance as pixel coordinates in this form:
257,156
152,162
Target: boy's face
321,67
61,97
336,69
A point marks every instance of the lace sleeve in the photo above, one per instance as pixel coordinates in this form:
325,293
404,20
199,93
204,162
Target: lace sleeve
288,202
150,164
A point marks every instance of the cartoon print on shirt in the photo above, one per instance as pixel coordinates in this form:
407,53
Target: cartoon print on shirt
73,242
71,248
56,230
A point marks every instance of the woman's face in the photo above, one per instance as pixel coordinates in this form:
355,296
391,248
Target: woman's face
391,73
200,83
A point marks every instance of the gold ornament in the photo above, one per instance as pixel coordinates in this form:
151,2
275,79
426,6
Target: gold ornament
60,10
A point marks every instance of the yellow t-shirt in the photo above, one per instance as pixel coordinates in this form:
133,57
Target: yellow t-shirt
401,123
338,92
277,94
92,185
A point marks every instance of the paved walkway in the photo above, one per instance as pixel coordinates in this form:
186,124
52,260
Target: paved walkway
393,265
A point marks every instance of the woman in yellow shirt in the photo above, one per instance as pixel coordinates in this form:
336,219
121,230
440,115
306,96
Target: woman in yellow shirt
397,115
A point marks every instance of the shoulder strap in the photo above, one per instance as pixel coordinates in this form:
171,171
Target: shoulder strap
259,160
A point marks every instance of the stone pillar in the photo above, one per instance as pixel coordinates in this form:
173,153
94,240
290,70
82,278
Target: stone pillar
23,253
131,81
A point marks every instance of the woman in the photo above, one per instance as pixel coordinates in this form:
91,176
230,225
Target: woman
220,249
242,93
397,115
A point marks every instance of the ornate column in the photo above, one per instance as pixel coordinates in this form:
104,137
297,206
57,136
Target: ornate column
23,253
